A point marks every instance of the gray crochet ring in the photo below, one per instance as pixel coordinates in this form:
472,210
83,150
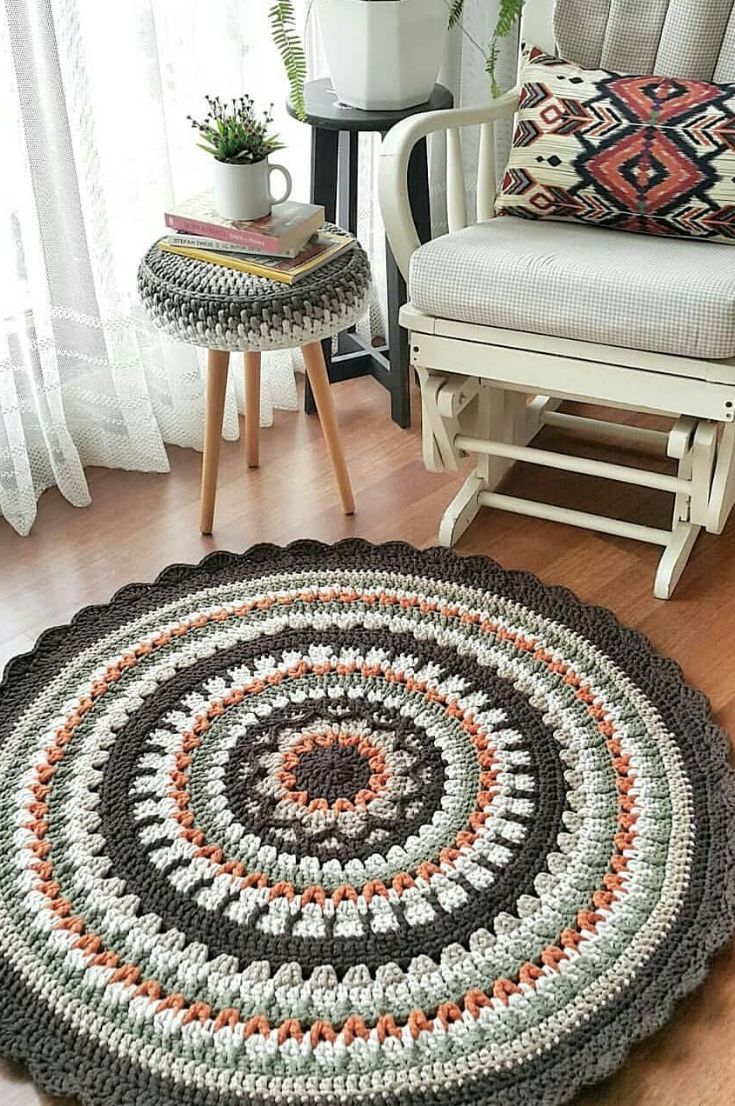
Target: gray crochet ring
327,824
221,308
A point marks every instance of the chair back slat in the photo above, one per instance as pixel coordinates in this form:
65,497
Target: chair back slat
456,196
692,39
486,174
725,71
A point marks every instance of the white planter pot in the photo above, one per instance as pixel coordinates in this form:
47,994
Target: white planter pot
244,192
383,55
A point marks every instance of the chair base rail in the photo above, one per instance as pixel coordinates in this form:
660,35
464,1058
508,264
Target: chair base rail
470,416
586,521
635,436
677,542
626,474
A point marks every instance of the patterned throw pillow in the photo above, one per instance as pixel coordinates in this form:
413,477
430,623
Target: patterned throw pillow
655,155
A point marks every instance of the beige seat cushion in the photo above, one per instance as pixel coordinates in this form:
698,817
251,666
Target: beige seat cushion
640,292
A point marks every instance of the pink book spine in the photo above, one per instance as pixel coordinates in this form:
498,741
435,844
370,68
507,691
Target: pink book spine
264,242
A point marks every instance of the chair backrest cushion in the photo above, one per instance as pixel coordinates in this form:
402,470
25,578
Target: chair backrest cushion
672,38
649,154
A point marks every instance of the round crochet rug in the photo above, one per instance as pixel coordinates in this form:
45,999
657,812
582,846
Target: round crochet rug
335,824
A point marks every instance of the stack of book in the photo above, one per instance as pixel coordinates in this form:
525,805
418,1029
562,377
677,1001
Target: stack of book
285,246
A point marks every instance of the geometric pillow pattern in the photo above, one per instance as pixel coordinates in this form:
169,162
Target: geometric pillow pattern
653,155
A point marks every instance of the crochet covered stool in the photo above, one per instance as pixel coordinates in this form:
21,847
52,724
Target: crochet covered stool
225,310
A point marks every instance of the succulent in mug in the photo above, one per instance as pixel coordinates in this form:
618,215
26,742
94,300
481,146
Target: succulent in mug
233,131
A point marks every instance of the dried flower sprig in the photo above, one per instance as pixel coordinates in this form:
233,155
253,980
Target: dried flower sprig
234,131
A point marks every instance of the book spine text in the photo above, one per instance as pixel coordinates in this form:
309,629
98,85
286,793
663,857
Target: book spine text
262,242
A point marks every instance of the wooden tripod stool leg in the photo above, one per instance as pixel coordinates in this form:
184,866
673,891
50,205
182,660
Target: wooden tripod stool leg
252,409
217,363
316,370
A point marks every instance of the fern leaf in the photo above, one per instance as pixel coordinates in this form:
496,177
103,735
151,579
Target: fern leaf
286,37
508,15
456,7
491,62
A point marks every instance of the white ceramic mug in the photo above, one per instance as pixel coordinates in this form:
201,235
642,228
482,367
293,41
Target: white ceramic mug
244,191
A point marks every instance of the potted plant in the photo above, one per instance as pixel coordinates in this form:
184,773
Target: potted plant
382,54
240,142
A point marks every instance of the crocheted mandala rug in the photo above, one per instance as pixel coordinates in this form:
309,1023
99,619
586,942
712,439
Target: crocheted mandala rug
353,823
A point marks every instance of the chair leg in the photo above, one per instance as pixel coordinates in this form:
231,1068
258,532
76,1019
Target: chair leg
252,409
723,486
217,365
462,511
499,415
674,559
316,371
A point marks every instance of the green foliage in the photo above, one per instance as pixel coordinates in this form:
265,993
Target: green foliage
234,132
288,43
509,14
456,8
491,61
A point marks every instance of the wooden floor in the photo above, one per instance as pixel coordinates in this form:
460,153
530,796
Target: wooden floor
139,523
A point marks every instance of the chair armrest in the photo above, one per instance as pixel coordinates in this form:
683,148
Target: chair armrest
395,153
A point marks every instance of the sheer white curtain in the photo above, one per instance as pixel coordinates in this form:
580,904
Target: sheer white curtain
93,104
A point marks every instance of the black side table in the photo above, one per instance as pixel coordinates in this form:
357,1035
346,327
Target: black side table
334,151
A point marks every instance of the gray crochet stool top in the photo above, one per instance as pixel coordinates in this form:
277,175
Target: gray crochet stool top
209,305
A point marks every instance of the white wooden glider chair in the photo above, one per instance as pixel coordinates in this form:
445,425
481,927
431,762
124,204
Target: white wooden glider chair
510,307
